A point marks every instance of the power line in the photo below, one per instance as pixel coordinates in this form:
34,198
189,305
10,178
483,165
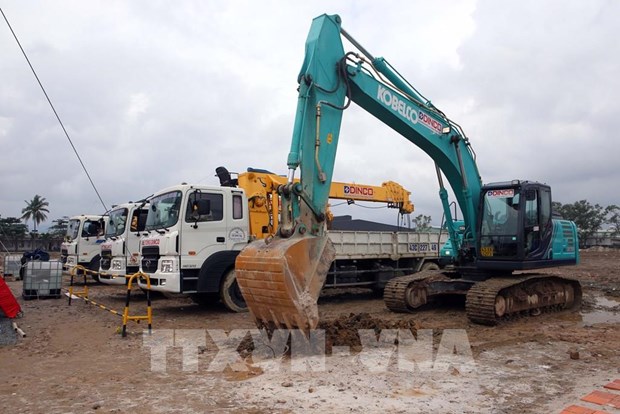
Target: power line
54,110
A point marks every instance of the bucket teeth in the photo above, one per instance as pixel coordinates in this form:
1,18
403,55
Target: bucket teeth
281,281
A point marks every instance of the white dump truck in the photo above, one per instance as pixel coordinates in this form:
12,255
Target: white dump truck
120,252
85,233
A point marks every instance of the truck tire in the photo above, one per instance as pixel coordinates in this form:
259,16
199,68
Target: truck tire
94,268
429,266
230,294
205,299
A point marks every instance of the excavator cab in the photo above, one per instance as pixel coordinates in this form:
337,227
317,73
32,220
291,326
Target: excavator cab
516,228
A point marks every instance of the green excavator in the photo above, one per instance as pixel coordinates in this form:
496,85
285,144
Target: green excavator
508,230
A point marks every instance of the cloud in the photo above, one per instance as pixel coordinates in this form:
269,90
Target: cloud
153,95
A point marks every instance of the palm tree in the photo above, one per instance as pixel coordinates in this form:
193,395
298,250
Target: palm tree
35,209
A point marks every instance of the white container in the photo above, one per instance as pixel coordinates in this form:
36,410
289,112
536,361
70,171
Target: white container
12,264
42,279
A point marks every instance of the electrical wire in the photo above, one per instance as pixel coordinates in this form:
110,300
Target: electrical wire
54,110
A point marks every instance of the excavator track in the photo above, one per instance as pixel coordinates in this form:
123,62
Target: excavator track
405,293
496,299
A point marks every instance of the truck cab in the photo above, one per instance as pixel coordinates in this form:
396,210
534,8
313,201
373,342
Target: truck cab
192,236
81,247
120,253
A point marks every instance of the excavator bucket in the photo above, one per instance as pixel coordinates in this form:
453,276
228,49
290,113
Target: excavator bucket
281,280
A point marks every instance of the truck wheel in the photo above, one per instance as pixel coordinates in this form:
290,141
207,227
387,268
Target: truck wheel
231,294
94,269
429,266
204,299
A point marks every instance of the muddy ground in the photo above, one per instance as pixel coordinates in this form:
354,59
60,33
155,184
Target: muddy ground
73,360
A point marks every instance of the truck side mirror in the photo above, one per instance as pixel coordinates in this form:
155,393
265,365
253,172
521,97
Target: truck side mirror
201,208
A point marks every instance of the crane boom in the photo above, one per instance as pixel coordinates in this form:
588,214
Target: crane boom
262,186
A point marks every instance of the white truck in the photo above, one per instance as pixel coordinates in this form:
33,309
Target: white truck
120,253
194,233
85,233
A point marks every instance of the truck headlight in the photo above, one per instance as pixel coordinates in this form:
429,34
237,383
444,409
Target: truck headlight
71,260
166,266
116,265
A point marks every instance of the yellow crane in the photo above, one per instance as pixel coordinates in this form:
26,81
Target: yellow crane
261,188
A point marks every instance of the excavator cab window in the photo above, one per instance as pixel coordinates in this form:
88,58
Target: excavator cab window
538,227
499,231
532,225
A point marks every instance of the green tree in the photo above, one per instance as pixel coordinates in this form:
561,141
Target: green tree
613,219
556,207
59,228
422,223
12,229
589,218
35,209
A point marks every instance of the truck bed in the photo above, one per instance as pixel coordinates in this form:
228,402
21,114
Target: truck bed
383,244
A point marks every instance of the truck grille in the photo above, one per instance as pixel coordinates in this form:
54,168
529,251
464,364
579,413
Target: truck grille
63,255
150,258
106,259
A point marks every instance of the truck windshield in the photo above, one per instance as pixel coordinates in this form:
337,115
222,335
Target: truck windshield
73,229
116,225
164,210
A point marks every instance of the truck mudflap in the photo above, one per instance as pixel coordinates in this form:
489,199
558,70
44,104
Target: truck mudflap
281,280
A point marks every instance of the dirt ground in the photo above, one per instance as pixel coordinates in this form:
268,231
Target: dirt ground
73,359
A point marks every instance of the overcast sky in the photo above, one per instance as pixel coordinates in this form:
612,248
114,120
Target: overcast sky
156,93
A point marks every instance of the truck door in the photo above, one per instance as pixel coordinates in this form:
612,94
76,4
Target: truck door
204,228
92,235
136,224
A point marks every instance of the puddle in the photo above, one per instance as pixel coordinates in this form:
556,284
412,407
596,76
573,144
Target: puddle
605,311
